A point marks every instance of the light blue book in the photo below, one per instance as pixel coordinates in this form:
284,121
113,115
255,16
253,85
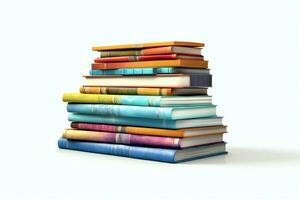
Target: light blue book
169,113
147,153
144,71
146,122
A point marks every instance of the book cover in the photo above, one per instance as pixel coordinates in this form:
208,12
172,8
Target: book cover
142,91
147,153
180,133
146,122
138,100
145,45
190,63
168,113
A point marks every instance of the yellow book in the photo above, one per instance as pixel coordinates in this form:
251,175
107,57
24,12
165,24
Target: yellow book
145,45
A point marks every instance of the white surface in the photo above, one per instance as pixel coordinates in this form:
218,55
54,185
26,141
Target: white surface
253,49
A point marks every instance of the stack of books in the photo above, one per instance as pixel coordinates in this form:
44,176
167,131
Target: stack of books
146,101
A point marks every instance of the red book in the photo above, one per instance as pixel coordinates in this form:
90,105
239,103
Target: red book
145,58
189,63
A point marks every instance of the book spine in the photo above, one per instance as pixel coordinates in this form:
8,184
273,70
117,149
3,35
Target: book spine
97,127
126,71
204,80
115,59
128,129
147,153
187,63
126,91
135,58
133,121
133,71
122,138
121,110
157,50
104,54
135,100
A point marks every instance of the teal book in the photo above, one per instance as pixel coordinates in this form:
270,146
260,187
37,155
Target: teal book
169,113
146,122
145,71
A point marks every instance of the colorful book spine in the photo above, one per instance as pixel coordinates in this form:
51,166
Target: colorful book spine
145,71
133,71
133,100
148,51
112,99
128,129
138,111
122,138
136,121
146,153
126,91
189,63
179,133
144,58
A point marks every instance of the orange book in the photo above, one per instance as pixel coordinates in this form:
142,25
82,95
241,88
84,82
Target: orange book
145,45
153,64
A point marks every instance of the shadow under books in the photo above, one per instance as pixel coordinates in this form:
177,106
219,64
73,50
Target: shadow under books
252,156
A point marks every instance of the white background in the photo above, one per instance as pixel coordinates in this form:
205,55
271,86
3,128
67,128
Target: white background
253,48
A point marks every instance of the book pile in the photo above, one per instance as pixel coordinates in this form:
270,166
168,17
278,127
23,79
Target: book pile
146,101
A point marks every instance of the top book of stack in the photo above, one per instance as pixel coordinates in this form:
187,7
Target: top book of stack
150,55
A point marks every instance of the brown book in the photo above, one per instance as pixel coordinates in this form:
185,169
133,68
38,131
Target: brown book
152,51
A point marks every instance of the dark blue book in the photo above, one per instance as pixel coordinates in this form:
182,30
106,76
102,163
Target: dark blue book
146,153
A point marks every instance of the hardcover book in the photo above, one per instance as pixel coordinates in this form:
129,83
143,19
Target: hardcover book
168,113
159,80
146,122
141,140
149,71
138,100
143,91
188,132
190,63
147,153
152,51
145,58
150,44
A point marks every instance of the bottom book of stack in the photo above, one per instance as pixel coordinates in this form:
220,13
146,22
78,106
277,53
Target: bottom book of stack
165,145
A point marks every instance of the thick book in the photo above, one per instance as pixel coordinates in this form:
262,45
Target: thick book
152,51
188,132
146,122
158,80
167,113
147,153
138,100
140,140
148,44
149,71
145,58
190,63
143,91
